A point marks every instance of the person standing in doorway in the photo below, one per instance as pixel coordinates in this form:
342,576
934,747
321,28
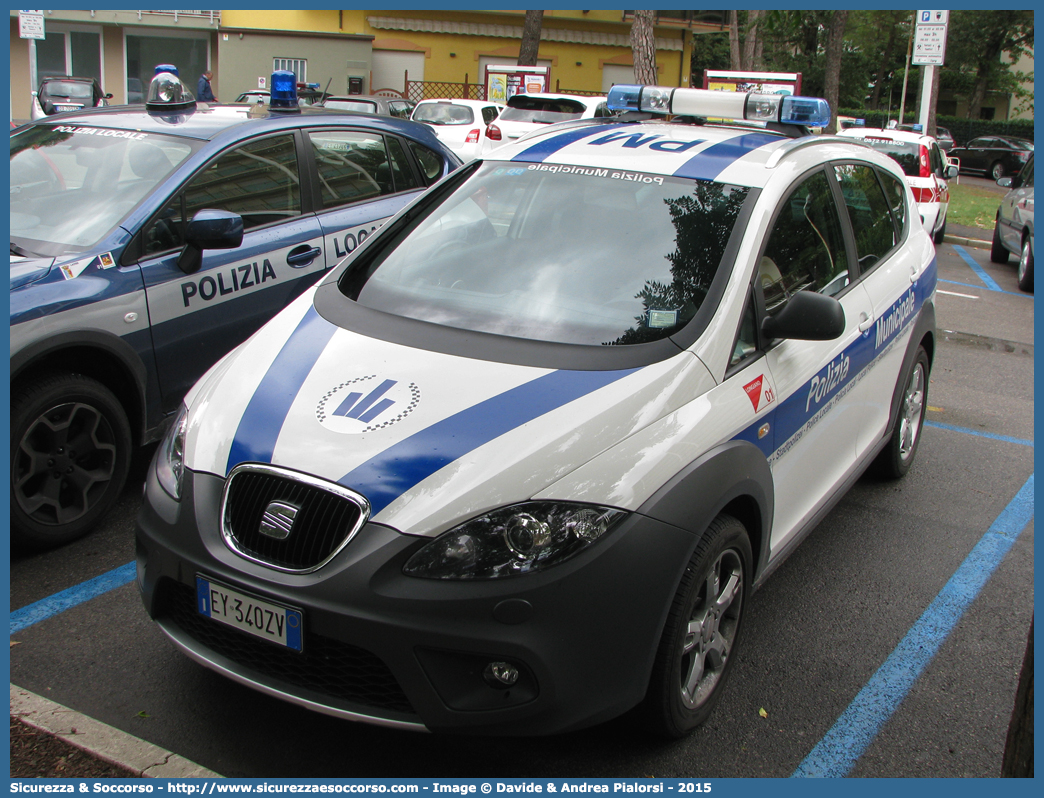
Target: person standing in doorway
203,91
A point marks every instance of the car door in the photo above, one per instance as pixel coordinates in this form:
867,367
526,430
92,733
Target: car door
196,318
889,272
363,178
1016,210
820,401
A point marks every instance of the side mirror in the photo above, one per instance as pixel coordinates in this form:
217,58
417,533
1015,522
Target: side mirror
952,172
1006,182
807,316
209,229
108,96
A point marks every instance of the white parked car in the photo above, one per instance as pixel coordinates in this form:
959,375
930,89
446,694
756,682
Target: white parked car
516,465
925,165
528,112
462,125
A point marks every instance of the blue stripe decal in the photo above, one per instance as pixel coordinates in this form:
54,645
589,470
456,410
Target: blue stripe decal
542,149
836,754
711,162
394,471
980,433
264,416
975,267
67,599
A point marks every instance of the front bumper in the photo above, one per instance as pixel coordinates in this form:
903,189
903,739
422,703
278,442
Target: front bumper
384,648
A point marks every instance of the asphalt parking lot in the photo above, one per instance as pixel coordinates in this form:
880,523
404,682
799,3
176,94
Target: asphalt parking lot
896,631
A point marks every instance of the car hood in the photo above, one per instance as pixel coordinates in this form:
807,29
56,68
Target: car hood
28,270
428,438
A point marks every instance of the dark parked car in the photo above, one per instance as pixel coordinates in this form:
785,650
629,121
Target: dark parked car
64,93
1013,231
371,104
994,156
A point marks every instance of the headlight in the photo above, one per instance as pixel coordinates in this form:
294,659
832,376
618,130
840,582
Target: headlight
512,541
170,459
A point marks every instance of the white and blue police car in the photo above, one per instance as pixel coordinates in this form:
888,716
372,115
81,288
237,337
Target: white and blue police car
516,465
146,242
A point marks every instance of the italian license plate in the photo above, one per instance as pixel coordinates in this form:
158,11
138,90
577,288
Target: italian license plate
273,622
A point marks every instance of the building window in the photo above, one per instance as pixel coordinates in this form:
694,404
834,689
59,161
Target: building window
299,66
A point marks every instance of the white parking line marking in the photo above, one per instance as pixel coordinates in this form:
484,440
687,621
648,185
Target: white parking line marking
954,293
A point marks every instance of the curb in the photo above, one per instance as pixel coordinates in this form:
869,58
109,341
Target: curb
103,741
978,243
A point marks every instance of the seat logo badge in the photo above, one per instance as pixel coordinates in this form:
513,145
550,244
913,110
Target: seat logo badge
278,520
365,404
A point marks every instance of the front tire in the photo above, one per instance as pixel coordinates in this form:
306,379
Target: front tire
1026,266
698,644
897,457
998,252
70,453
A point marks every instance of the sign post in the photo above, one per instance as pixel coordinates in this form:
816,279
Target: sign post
929,51
31,27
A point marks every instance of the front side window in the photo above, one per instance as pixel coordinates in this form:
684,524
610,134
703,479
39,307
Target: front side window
569,255
875,233
806,247
895,192
258,180
430,162
72,184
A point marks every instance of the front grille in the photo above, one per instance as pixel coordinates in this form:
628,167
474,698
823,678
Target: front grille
326,666
328,516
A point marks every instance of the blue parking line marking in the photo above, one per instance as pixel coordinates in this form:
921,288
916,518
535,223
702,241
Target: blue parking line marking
67,599
836,754
979,287
975,267
990,435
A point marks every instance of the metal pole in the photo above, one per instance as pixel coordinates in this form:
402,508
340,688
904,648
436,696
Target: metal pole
906,72
926,96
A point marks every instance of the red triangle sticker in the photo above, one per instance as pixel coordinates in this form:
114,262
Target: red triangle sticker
753,390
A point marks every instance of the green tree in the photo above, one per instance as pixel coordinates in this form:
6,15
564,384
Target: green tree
981,49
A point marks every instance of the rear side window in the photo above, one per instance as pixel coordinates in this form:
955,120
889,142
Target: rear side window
351,166
875,233
894,190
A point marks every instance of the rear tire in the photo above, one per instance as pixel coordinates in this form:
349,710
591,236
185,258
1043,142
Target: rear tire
698,644
997,170
70,453
1026,266
940,234
897,457
998,253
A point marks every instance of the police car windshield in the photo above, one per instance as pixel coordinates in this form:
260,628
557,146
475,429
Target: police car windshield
72,184
557,253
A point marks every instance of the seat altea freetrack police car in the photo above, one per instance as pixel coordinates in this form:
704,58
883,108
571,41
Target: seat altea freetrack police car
516,465
146,242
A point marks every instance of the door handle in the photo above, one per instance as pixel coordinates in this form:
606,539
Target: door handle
302,256
865,322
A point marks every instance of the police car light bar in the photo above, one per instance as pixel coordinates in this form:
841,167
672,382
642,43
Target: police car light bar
783,108
283,96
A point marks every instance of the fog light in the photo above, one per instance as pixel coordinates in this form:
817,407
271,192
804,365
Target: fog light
501,674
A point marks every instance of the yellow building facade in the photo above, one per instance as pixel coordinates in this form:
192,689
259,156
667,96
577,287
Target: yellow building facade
585,50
